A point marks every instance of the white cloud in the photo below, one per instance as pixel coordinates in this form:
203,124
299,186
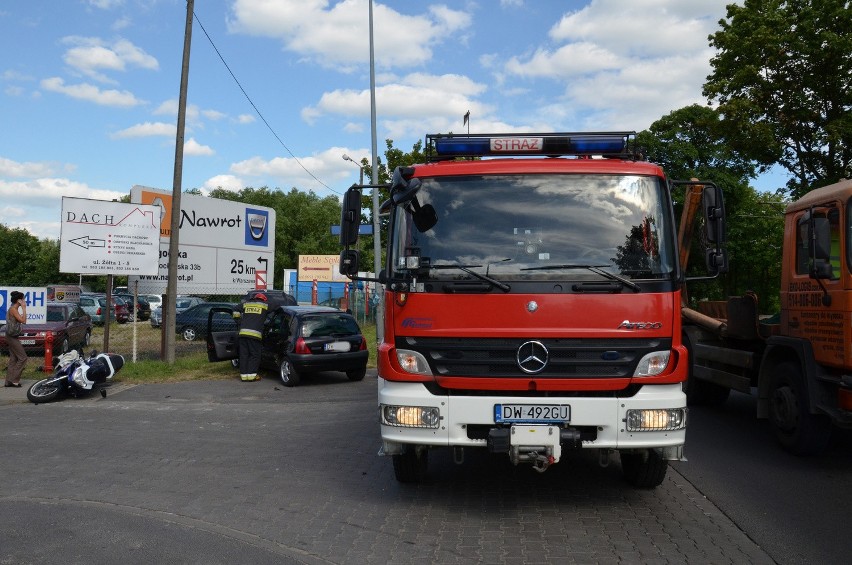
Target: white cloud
91,55
192,147
245,119
288,171
340,35
417,95
622,65
228,182
91,93
48,192
146,130
9,168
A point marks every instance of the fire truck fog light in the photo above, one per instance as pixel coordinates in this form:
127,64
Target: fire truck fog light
410,416
652,364
658,420
412,362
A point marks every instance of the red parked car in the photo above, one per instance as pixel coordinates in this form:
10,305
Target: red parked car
68,325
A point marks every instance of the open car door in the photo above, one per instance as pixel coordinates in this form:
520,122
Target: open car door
221,337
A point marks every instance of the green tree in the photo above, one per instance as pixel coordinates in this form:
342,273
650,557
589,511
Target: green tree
28,260
781,77
690,143
303,222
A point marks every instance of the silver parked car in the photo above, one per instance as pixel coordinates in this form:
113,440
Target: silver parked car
181,303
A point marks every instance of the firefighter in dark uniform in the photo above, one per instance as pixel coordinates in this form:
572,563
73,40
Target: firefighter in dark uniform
250,316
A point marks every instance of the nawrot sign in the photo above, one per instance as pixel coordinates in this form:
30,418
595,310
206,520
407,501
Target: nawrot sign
221,244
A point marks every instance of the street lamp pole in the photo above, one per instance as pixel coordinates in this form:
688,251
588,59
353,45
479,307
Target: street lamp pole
360,168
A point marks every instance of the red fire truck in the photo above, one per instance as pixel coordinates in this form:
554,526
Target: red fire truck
532,302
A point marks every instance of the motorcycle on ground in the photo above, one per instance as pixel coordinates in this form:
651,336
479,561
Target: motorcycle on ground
77,376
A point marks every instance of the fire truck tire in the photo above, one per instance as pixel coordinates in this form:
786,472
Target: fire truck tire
798,431
645,469
410,466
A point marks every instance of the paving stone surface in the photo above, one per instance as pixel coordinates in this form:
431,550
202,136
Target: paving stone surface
232,472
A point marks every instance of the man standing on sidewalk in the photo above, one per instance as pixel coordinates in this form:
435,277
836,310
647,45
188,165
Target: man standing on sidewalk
251,315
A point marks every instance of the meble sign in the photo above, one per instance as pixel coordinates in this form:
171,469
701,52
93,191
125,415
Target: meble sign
222,244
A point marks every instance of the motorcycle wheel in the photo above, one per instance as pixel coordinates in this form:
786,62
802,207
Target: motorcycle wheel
43,391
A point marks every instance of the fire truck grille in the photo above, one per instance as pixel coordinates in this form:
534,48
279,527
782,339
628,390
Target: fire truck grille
564,358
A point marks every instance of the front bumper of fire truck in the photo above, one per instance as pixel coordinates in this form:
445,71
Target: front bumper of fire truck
652,418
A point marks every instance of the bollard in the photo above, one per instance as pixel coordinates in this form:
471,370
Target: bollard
48,352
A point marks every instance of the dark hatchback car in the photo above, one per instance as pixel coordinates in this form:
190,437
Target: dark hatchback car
298,340
68,325
192,323
141,311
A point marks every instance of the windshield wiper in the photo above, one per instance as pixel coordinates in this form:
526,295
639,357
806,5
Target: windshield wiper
467,269
597,269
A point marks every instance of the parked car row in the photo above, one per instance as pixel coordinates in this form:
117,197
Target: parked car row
182,303
95,306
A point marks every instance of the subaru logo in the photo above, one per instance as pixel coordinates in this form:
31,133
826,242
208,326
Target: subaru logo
532,357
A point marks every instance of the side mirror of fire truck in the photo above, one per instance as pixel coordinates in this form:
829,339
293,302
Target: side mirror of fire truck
713,206
350,219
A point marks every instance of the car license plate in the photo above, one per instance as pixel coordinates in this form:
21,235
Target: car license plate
535,413
337,346
27,342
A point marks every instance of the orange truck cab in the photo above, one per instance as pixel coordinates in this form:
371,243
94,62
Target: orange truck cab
532,303
800,363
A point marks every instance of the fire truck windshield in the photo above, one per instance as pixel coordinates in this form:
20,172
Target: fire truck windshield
528,227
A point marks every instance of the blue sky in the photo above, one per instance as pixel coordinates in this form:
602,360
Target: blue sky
89,88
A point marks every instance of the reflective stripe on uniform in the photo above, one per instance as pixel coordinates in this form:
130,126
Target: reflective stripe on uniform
246,332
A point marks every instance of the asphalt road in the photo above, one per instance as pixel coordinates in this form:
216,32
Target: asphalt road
797,509
231,472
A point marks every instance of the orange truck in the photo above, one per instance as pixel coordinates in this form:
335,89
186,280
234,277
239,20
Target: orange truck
799,363
532,294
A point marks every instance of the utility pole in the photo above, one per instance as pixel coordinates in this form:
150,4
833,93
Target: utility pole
377,235
171,287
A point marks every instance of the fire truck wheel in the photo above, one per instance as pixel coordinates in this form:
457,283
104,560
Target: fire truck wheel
798,431
410,466
289,375
645,469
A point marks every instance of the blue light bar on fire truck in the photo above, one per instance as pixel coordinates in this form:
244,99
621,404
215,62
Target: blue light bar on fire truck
449,146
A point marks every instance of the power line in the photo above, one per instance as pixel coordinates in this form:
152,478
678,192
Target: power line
221,58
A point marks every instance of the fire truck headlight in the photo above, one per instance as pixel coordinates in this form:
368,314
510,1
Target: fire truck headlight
410,416
413,362
656,420
652,364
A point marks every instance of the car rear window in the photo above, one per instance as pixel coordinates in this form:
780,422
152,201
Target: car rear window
54,314
329,325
